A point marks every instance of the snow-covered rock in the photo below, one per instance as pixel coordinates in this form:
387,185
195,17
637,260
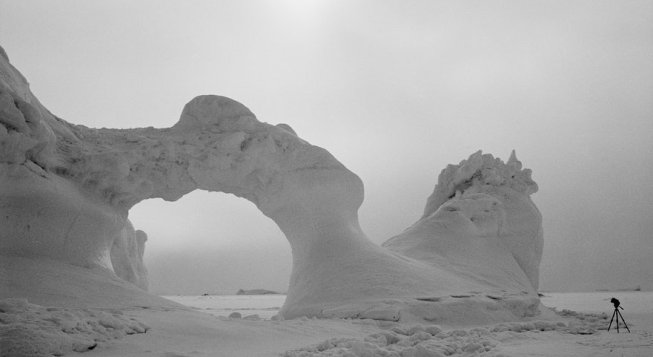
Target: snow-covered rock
67,189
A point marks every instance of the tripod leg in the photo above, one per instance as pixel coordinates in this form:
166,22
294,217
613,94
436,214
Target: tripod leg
610,325
622,320
617,318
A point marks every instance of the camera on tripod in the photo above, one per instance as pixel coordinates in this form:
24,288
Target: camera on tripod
617,314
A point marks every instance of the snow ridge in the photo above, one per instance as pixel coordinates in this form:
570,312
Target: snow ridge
479,169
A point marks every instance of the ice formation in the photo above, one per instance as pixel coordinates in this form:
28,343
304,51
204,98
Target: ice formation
67,189
480,221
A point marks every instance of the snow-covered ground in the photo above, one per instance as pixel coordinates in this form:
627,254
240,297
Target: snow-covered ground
264,306
633,302
267,306
175,333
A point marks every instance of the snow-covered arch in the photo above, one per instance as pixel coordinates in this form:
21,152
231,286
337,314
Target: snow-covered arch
67,190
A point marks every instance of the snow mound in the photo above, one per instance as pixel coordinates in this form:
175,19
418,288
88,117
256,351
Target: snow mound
480,222
413,341
520,227
397,340
476,171
29,330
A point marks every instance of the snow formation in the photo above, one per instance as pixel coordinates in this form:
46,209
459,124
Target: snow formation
66,191
480,221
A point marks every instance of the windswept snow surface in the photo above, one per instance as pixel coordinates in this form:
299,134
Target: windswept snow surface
568,333
264,307
28,330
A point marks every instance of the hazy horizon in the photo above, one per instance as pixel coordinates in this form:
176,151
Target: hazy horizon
395,91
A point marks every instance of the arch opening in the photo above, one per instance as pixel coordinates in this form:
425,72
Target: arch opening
211,243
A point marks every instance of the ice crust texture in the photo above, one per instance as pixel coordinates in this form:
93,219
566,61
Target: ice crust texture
396,340
29,330
66,191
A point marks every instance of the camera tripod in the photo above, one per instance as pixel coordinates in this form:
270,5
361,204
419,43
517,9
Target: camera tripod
618,315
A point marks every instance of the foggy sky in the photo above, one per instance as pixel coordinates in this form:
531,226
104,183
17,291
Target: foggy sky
395,90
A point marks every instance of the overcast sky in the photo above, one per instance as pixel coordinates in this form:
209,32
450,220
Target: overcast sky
395,90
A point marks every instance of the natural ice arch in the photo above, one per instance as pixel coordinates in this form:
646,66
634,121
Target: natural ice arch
67,190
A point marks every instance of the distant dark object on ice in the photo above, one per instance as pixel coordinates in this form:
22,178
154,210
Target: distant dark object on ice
637,288
256,292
